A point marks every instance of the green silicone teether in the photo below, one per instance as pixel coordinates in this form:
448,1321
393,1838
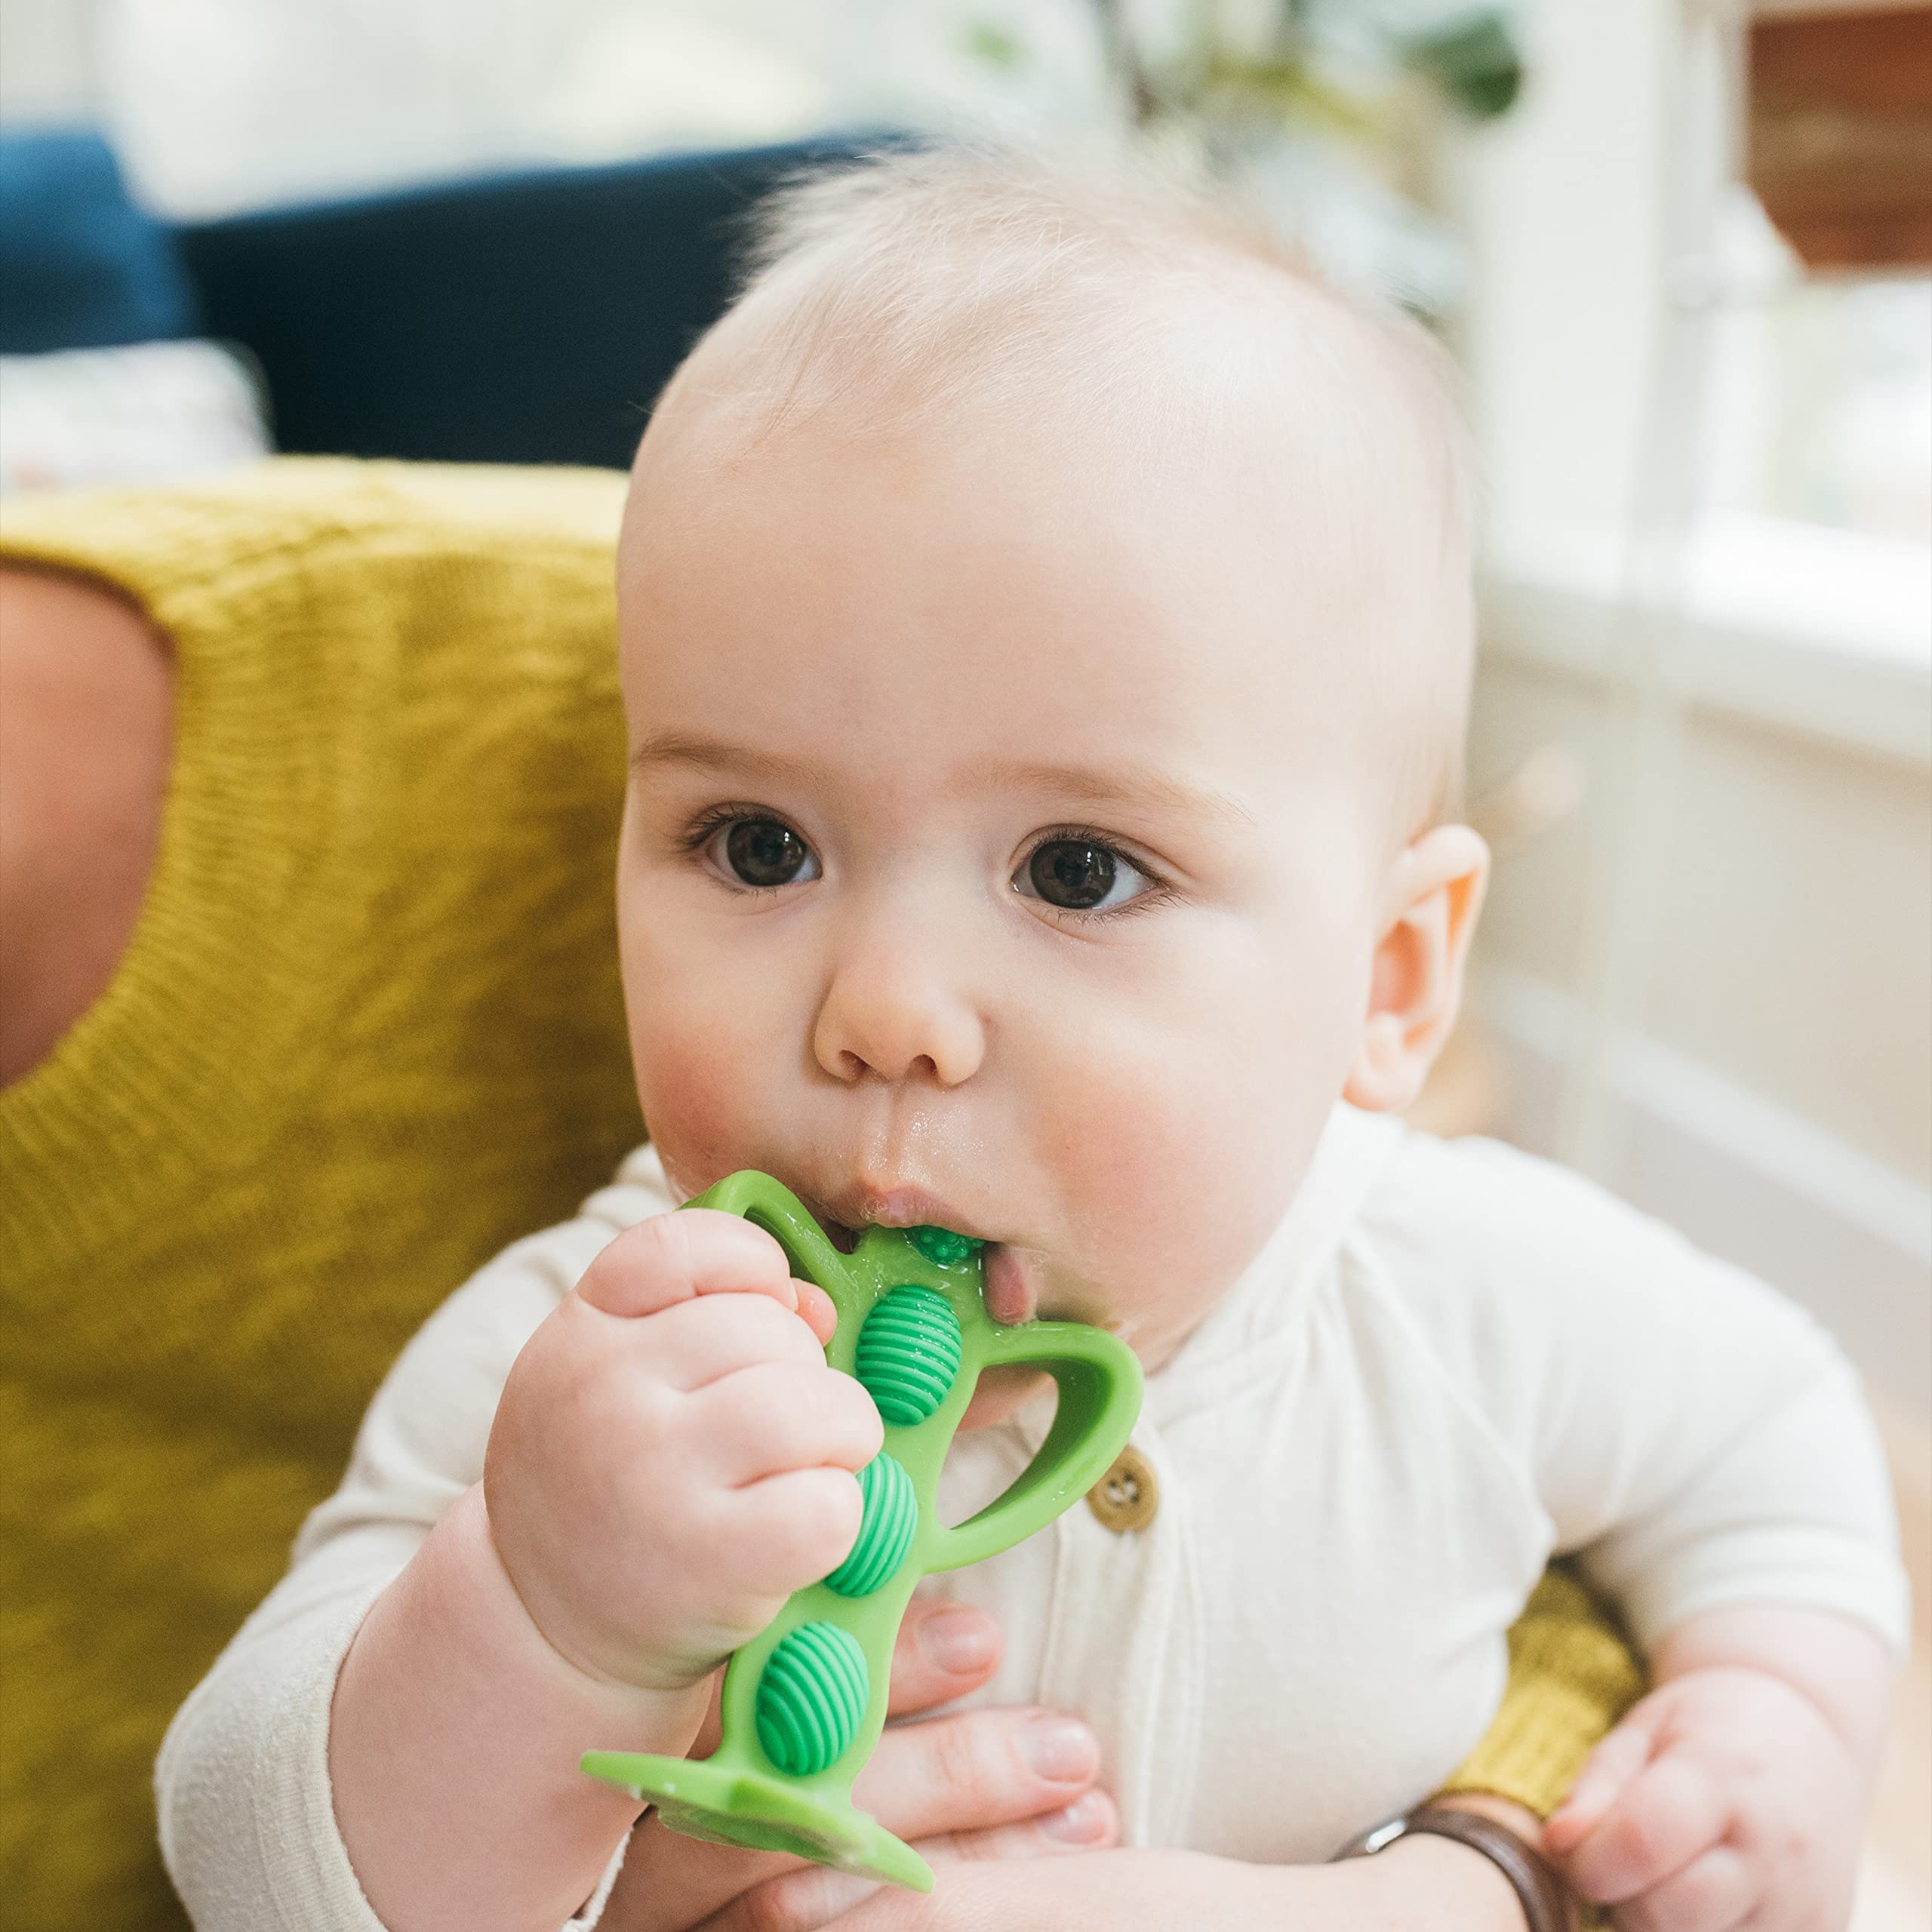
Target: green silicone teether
804,1702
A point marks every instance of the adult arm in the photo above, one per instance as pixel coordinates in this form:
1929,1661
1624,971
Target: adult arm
86,704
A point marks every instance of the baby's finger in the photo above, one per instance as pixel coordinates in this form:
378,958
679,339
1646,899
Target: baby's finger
790,1530
1713,1893
778,1416
696,1343
670,1258
943,1650
1606,1771
1668,1815
815,1310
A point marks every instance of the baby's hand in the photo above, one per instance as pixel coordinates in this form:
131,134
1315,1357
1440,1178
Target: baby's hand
672,1456
1723,1798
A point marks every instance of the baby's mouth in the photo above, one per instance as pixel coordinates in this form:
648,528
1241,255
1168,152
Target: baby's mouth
1011,1295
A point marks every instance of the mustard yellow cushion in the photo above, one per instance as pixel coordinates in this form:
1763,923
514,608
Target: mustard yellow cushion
1571,1676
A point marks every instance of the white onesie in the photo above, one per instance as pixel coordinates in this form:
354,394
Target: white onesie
1450,1362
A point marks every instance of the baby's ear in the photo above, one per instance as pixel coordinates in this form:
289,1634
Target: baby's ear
1430,901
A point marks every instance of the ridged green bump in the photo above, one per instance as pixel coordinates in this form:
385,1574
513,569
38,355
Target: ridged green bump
892,1514
810,1698
909,1354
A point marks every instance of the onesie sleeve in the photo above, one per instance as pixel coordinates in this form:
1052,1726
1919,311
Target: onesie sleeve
1697,1440
247,1816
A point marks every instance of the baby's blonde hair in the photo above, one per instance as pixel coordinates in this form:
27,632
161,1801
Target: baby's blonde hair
916,285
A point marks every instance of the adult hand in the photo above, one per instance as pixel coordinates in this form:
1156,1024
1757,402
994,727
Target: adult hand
994,1784
1417,1885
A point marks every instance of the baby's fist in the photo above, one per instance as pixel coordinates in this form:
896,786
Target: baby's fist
672,1456
1723,1799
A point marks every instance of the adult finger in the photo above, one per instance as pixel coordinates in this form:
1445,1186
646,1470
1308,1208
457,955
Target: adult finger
977,1769
943,1650
1090,1823
1668,1815
670,1258
811,1899
774,1417
805,1899
1712,1893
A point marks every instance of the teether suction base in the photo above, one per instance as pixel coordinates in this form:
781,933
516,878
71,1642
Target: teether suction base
705,1800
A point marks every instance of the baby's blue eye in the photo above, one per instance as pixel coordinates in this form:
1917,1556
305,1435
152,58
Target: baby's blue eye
762,852
1078,875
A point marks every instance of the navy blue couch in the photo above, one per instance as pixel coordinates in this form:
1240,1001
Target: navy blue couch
523,317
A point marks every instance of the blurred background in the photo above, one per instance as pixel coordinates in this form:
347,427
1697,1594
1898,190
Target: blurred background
1683,252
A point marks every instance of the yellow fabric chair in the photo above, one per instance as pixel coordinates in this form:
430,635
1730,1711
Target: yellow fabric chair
368,1030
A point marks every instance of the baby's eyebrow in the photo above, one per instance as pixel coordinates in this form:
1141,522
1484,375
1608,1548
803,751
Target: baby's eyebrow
1110,785
712,754
1121,785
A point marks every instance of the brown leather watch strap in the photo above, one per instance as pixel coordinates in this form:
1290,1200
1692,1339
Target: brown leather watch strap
1547,1904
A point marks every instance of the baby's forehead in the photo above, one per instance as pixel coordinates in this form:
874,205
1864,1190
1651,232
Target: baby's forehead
999,587
1231,422
1224,439
1216,366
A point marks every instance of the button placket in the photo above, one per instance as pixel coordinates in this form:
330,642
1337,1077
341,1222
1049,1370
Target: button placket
1120,1647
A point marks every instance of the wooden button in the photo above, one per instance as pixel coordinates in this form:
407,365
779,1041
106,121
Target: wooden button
1126,1497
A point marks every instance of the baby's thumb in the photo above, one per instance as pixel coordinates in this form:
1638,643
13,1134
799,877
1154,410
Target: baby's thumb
1606,1772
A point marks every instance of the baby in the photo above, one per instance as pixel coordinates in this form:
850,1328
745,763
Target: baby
1046,629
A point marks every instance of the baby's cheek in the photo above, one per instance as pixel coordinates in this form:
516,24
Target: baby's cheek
1173,1183
692,1087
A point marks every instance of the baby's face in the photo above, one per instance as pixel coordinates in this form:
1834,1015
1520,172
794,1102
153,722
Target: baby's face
993,857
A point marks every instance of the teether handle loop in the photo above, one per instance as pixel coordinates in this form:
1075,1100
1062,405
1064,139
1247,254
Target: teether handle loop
1099,1398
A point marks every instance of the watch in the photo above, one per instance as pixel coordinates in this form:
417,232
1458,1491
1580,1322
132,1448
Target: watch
1547,1904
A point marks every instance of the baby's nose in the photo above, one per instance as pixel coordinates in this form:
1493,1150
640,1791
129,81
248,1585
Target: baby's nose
889,1015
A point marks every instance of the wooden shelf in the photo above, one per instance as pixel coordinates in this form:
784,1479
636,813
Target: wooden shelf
1839,137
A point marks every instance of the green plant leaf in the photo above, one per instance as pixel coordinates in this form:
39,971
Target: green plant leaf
1473,60
997,46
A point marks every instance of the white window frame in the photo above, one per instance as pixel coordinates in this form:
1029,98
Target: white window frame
1594,211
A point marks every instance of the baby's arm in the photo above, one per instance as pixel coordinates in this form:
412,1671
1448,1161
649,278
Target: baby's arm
1753,1550
453,1745
1734,1793
670,1460
1702,1447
